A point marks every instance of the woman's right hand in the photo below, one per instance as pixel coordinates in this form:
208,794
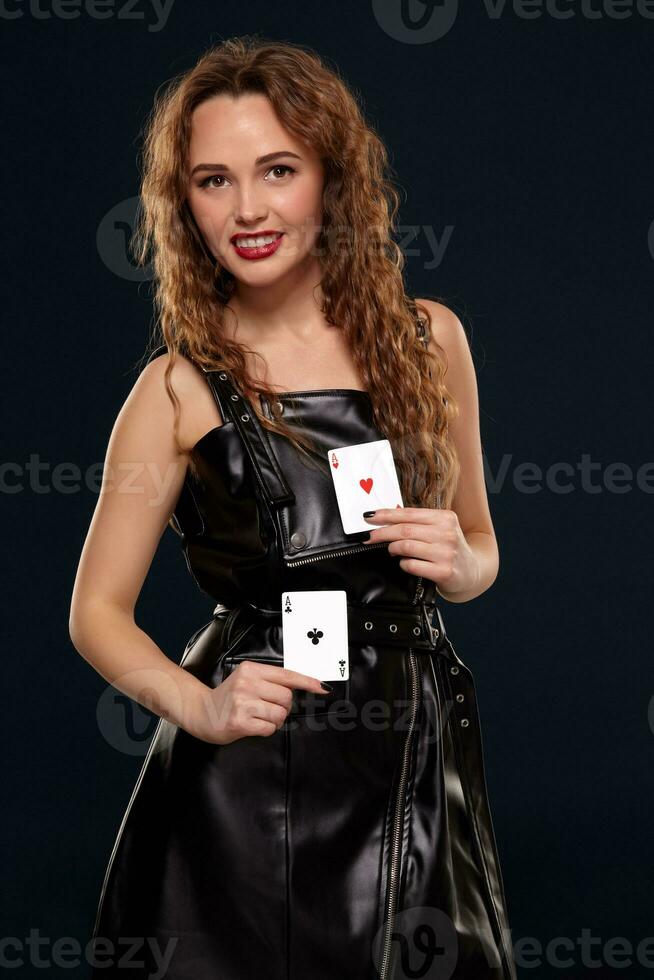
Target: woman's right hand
254,699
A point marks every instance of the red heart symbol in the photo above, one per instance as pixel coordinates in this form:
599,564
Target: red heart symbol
366,484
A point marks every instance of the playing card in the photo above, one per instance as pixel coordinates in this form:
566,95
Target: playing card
364,478
314,633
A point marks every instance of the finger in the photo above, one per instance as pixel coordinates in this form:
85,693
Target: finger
416,566
276,693
269,711
264,728
423,550
251,704
396,515
291,678
406,532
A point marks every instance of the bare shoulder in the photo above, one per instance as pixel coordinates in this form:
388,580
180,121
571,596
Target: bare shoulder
198,409
183,368
448,334
470,500
447,331
141,482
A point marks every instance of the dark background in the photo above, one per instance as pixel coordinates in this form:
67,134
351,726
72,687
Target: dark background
530,139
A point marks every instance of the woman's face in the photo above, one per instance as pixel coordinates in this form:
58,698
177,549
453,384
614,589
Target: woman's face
234,192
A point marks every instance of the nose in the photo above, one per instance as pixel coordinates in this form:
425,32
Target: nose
250,207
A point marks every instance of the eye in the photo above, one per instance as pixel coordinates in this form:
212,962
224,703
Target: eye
278,166
283,166
205,182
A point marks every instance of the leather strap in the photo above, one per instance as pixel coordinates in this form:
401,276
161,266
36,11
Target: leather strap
236,407
385,625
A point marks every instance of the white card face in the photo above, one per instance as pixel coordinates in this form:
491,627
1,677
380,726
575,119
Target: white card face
364,478
314,633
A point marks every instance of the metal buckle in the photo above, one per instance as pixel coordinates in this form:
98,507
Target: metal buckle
430,629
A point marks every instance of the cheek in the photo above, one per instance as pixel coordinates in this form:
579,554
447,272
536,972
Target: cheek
302,204
301,209
210,218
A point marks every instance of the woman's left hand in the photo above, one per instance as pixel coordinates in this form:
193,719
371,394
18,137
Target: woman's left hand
430,543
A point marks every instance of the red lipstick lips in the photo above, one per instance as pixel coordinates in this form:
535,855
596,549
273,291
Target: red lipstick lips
256,251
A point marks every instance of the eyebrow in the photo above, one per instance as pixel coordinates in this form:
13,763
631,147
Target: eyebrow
264,159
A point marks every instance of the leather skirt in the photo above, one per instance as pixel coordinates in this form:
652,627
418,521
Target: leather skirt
355,842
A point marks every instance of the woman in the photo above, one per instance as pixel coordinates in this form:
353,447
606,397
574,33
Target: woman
277,829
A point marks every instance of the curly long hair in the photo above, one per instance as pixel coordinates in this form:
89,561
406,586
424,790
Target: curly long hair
361,265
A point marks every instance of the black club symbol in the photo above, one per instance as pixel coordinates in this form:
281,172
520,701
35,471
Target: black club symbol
315,635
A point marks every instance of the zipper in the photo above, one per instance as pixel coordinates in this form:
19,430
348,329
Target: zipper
351,550
398,816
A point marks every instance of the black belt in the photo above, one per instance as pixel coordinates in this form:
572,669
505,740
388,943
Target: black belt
402,626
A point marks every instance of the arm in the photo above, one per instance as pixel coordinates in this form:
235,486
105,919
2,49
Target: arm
142,479
470,502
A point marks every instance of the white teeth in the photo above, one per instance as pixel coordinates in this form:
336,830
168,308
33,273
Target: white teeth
256,242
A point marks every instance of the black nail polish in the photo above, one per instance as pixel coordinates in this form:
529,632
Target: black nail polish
368,513
327,686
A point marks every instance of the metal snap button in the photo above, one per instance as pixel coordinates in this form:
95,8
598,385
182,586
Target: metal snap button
393,628
245,418
368,625
464,723
454,670
298,539
234,398
223,376
459,697
417,631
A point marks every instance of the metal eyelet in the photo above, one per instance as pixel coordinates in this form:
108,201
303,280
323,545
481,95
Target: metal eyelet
459,697
368,625
393,628
417,631
223,376
454,670
464,723
234,398
245,418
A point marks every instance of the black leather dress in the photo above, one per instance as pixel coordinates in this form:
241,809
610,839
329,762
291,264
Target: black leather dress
356,842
